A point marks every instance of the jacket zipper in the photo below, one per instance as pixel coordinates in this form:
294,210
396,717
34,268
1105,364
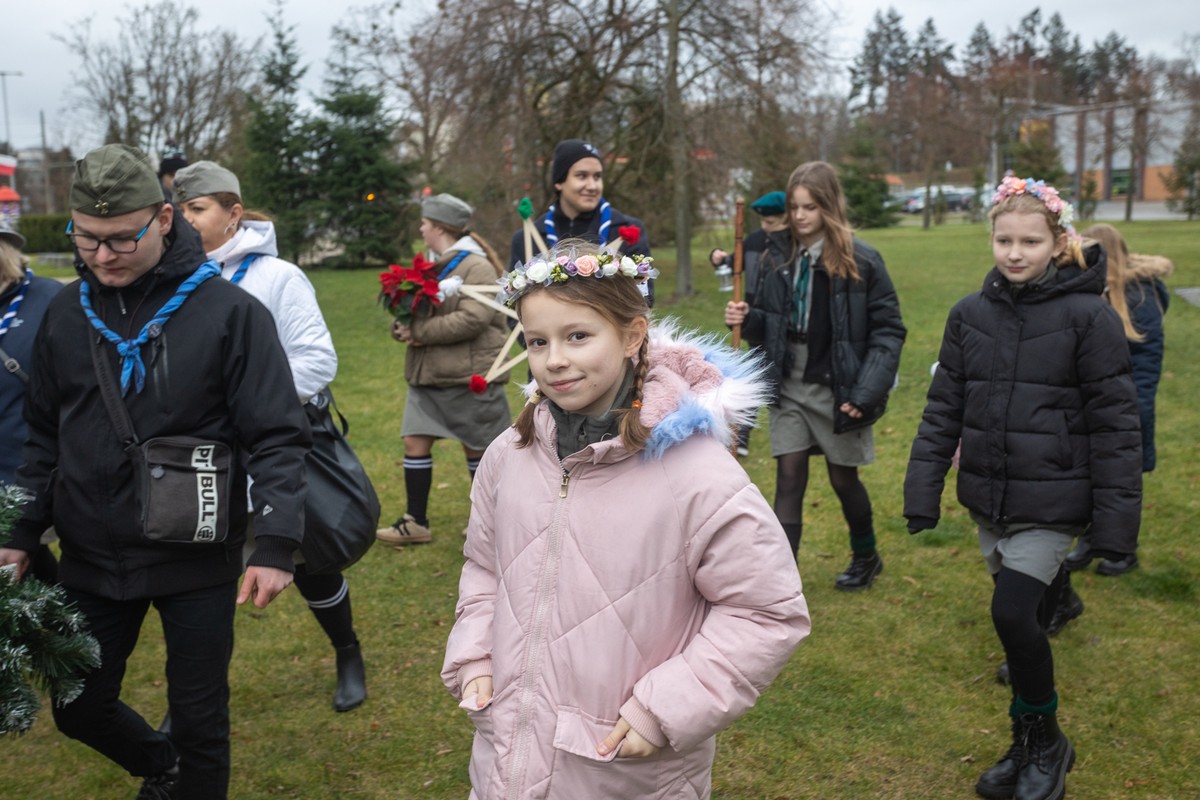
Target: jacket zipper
547,578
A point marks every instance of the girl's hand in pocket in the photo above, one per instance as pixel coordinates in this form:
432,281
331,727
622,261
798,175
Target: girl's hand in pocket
635,745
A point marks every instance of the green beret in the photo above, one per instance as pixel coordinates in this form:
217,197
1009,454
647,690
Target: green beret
204,178
771,204
112,180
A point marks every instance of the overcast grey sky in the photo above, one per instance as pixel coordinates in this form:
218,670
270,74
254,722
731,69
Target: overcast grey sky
1152,26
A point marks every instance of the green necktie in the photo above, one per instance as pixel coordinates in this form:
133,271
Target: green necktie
800,295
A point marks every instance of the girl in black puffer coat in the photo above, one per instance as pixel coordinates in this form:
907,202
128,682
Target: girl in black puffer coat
1034,378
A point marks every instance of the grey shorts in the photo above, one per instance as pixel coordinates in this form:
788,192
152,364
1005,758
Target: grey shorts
803,420
1037,552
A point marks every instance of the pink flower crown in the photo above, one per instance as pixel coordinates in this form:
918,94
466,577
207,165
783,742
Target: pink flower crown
550,268
1012,186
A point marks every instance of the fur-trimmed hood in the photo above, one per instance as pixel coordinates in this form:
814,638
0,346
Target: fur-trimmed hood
1143,267
696,386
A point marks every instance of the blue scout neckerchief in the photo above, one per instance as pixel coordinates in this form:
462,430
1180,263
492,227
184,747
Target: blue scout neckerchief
454,262
605,223
130,350
240,272
14,305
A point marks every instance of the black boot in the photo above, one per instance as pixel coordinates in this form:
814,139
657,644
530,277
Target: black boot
1114,568
1003,677
351,678
1070,606
860,574
163,786
999,782
1080,557
1048,758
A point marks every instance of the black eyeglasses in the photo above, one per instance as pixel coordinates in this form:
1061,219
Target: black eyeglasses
120,244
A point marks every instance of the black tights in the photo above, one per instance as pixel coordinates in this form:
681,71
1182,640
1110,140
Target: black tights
791,482
1015,614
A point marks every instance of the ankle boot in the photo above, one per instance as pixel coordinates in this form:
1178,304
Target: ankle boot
1080,557
999,782
1070,606
1048,758
351,678
860,574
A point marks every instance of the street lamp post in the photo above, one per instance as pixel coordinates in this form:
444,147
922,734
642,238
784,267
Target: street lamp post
4,91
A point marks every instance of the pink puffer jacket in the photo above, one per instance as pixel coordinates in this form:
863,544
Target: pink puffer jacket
655,586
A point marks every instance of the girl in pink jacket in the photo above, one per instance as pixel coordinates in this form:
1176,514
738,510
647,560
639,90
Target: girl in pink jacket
627,591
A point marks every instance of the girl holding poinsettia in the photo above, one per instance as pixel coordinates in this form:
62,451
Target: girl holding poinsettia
452,342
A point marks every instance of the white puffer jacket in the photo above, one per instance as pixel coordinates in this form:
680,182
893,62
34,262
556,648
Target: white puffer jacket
287,293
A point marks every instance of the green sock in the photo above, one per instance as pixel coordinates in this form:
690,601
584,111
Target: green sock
863,545
1019,707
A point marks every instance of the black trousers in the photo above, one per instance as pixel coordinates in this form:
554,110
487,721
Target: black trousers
198,628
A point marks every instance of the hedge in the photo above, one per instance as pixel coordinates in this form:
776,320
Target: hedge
44,232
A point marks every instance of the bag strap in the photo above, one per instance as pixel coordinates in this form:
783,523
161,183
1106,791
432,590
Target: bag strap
325,402
13,366
112,400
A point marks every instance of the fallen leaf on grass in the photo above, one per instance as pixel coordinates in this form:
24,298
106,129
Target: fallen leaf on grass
911,580
1132,782
443,486
445,752
968,759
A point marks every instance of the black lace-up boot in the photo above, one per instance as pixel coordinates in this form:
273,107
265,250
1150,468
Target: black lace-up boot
1000,782
860,574
1049,756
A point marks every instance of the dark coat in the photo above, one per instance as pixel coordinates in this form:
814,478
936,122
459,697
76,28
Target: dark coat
1037,387
216,372
1147,298
18,343
855,333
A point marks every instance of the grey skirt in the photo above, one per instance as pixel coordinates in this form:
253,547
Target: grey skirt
455,412
803,420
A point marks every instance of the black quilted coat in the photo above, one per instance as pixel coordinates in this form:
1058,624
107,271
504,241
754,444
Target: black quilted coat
1038,387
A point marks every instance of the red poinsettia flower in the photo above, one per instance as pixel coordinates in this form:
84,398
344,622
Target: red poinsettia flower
477,384
405,290
630,233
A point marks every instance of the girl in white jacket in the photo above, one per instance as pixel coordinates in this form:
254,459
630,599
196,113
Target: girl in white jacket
243,243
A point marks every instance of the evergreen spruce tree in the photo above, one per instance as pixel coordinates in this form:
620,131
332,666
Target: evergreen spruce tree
278,175
364,191
43,644
862,177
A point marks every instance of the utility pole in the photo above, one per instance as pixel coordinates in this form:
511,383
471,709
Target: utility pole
4,91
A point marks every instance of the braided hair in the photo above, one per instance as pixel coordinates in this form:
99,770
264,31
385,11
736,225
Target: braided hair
620,302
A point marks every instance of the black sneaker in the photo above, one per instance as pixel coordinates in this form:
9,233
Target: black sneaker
163,786
860,574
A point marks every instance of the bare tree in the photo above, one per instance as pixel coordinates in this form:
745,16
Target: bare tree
162,79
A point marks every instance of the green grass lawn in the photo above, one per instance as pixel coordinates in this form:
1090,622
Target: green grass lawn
892,696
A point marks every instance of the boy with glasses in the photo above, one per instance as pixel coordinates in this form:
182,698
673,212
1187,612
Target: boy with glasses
195,358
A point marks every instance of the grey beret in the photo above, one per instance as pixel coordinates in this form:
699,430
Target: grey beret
204,178
447,209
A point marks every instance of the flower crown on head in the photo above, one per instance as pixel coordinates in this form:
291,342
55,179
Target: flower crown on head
549,268
1012,186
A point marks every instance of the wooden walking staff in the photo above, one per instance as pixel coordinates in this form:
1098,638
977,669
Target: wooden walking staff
739,221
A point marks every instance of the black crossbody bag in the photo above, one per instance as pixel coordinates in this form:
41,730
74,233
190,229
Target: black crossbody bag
182,484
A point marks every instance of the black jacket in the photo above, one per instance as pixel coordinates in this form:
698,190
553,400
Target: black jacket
855,331
1037,386
216,372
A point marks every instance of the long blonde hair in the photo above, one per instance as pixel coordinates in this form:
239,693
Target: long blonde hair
12,264
1118,274
620,302
821,181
